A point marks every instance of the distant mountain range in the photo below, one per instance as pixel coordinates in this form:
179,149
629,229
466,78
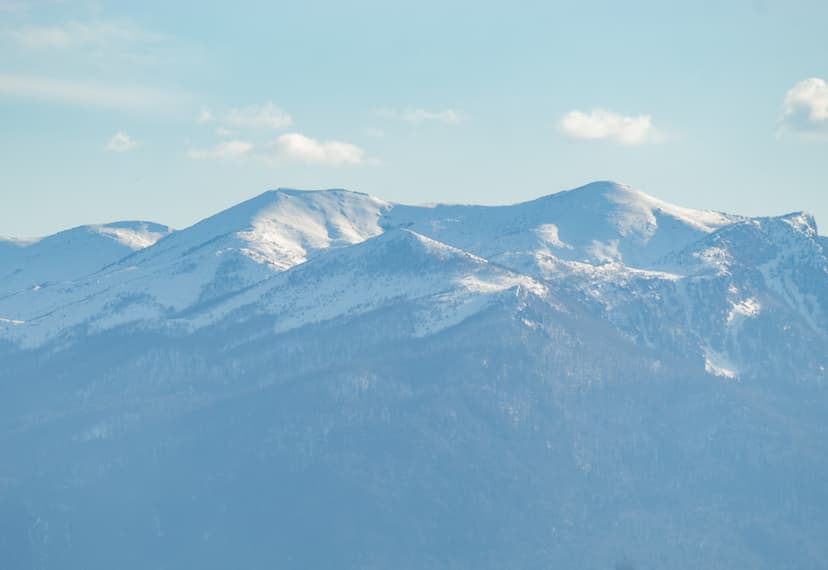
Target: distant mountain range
591,379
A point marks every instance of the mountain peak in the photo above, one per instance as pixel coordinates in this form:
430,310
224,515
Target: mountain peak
802,222
134,234
602,187
278,229
73,253
626,203
600,190
244,214
309,192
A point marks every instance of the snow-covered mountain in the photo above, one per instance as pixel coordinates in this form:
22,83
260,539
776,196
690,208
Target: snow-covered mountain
324,379
399,266
597,223
686,281
68,255
220,255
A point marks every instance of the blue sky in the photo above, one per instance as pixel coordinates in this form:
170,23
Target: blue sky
172,111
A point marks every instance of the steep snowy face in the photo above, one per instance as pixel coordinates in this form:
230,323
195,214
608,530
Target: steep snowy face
599,223
777,267
752,242
750,299
227,252
223,254
397,268
249,242
712,287
278,229
71,254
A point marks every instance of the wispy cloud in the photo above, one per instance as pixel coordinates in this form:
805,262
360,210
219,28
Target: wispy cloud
79,34
90,93
806,107
288,147
224,151
98,45
447,116
204,115
121,142
267,115
296,146
600,124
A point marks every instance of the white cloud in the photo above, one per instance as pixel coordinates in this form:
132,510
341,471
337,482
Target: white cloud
806,107
600,124
224,151
88,93
291,146
295,146
205,116
258,116
121,142
448,116
79,34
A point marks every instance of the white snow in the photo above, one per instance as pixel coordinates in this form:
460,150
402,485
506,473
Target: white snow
746,308
134,235
668,277
718,364
71,254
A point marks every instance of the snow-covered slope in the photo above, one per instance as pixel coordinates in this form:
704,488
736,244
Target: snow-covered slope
684,281
749,299
698,284
218,256
757,296
598,223
398,267
72,253
278,229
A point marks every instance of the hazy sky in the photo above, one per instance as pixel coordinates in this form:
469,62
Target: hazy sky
170,111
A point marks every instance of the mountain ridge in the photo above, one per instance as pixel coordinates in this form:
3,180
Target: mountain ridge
327,380
612,250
